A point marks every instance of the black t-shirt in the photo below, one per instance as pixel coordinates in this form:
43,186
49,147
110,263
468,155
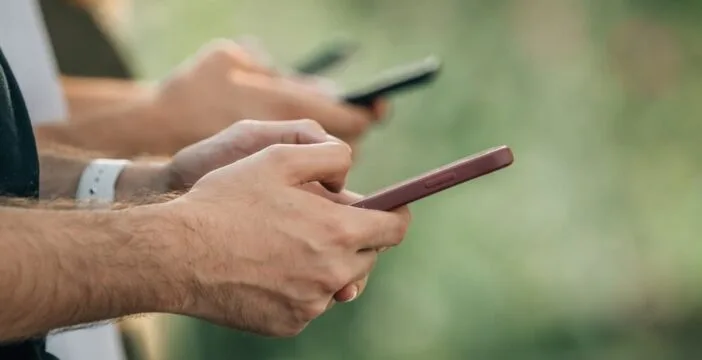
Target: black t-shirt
19,177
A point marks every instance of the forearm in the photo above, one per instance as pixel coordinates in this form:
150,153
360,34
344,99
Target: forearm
90,96
126,132
60,174
64,268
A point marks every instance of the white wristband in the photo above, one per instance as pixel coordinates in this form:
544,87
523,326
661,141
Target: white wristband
97,183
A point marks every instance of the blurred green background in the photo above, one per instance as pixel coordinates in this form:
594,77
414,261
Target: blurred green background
587,248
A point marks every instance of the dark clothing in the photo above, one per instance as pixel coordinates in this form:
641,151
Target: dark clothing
19,177
19,164
80,45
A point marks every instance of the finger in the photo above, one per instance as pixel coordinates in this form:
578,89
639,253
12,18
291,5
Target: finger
331,303
328,163
364,262
344,197
347,294
380,109
227,55
286,99
303,131
378,229
352,291
344,121
321,85
332,138
254,47
347,197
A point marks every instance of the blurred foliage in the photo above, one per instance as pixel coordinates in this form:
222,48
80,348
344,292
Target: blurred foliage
587,248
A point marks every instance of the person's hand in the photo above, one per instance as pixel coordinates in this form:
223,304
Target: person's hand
353,290
224,84
236,142
245,138
263,254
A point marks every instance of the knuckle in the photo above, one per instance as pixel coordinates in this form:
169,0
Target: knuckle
310,312
309,123
343,234
277,153
220,55
308,127
342,153
248,124
288,330
224,46
334,279
223,50
399,230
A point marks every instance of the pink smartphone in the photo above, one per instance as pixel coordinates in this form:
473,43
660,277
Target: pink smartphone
438,180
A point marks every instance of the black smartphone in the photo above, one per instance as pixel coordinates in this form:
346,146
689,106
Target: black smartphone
327,56
394,80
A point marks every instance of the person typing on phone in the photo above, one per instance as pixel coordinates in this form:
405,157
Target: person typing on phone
261,239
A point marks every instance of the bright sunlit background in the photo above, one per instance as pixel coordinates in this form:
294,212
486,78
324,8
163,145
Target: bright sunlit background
587,248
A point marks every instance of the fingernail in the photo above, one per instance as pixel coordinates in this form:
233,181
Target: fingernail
354,293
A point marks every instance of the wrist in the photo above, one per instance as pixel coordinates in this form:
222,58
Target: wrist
140,127
157,281
182,237
141,179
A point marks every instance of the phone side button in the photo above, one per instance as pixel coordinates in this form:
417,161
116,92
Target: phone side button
440,180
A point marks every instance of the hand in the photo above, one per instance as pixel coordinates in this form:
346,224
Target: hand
238,141
262,254
243,139
351,291
224,84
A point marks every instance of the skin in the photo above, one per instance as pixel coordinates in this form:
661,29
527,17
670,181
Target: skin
220,85
263,243
268,260
139,180
88,98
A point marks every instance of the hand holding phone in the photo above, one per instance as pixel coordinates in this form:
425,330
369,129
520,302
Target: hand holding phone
438,180
395,80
